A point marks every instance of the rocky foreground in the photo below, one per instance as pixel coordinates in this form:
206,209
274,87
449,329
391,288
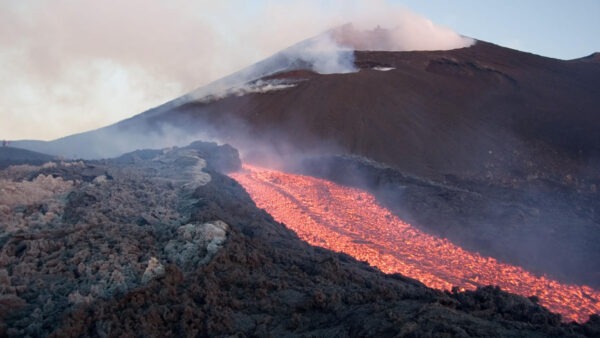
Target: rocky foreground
160,243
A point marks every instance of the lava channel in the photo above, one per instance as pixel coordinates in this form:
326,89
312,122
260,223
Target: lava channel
350,220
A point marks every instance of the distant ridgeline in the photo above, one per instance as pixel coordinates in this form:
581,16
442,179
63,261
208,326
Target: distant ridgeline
13,156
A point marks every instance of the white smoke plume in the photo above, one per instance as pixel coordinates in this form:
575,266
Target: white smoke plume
71,66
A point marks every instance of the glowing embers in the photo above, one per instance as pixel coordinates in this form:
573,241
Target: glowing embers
349,220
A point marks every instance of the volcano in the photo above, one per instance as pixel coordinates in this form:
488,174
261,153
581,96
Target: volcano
492,149
481,112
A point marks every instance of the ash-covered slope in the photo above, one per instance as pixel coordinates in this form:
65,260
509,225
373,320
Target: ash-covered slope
159,243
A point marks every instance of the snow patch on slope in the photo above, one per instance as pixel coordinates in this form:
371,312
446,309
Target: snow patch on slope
383,69
255,87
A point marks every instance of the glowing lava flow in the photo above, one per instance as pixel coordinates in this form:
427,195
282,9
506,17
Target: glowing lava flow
350,220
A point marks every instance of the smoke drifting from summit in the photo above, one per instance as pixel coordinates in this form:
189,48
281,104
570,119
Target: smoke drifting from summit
74,66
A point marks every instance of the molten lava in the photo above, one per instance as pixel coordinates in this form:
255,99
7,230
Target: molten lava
350,220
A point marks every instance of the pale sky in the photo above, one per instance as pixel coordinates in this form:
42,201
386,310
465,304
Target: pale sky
69,66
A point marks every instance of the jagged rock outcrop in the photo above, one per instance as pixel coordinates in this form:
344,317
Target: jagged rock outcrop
73,233
156,244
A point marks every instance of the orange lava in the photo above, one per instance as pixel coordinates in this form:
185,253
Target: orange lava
350,220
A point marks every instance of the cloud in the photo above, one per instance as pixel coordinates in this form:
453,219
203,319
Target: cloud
71,66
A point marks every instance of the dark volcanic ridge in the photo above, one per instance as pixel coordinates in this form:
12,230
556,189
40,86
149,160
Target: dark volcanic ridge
160,243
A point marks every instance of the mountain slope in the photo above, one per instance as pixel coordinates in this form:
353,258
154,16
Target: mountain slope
474,112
